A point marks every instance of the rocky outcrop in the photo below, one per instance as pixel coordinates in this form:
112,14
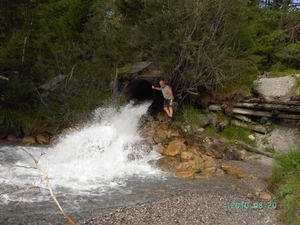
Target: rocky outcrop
189,155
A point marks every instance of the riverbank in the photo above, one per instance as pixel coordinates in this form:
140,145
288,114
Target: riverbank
223,200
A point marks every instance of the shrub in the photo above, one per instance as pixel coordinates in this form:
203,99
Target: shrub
285,183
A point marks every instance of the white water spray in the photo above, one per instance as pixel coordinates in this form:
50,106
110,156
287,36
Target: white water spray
92,160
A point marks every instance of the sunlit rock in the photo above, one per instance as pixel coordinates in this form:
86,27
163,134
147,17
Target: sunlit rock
197,149
209,161
175,148
233,171
42,139
207,173
28,140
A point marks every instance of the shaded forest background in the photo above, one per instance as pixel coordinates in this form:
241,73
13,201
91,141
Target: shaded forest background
58,57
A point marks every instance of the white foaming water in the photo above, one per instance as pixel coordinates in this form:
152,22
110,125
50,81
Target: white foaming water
91,160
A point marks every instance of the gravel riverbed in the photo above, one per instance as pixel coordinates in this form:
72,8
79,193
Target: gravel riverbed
222,200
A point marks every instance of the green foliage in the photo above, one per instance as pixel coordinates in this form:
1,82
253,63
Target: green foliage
285,183
234,133
190,115
197,45
192,42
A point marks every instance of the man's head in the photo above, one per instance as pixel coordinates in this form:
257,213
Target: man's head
162,83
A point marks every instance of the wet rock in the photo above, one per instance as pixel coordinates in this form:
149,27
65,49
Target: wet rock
28,140
159,136
42,139
191,161
12,137
207,173
167,163
159,148
185,173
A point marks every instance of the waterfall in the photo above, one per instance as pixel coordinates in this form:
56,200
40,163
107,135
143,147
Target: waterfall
93,160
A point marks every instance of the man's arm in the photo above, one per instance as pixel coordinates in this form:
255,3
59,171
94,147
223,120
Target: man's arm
156,88
171,95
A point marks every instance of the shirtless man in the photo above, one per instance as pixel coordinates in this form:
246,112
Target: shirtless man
168,97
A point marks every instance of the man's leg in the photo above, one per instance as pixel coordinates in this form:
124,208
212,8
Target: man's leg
170,111
167,111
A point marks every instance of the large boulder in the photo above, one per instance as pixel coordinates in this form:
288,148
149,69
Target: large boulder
275,87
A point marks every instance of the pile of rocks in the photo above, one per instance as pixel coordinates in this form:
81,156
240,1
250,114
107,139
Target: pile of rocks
190,156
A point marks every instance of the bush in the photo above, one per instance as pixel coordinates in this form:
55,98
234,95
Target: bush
285,183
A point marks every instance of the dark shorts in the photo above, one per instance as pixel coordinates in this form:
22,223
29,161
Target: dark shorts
167,103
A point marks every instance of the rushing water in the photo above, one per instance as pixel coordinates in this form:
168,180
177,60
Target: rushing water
103,165
103,159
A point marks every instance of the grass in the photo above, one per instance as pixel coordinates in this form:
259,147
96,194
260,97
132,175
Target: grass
271,150
234,133
287,72
296,89
285,183
190,115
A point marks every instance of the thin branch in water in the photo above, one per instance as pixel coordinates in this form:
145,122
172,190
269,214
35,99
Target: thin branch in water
46,177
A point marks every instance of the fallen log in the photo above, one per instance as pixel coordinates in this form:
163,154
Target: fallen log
250,112
243,118
253,127
251,149
259,100
268,106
